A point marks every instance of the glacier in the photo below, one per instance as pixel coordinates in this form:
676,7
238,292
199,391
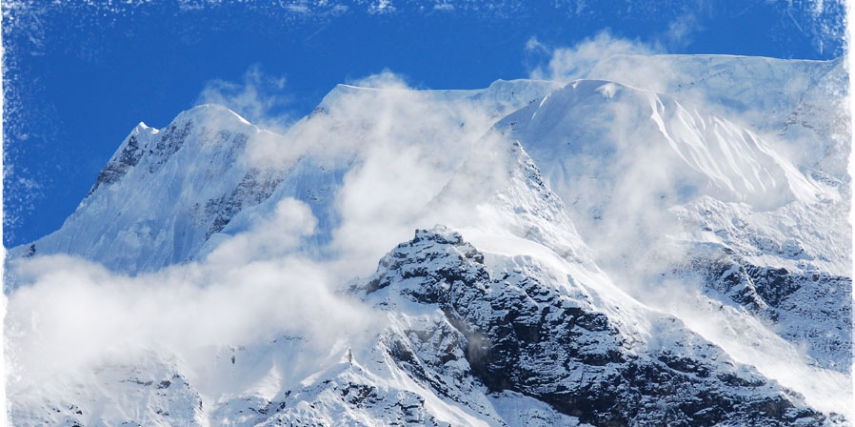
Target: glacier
664,247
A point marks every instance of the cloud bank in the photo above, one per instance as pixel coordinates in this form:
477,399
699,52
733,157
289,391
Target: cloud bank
76,314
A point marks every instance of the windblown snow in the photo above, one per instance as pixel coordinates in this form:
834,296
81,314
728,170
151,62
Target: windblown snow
666,247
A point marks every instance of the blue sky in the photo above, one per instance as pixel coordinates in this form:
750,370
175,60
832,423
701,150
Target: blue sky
79,75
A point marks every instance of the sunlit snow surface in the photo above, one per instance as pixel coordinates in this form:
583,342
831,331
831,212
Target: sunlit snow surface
688,224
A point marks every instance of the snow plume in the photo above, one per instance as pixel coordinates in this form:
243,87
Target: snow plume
395,149
634,63
378,112
769,96
680,30
405,160
571,63
259,98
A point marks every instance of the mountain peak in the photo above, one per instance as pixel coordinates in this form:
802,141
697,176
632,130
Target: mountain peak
154,200
142,128
211,112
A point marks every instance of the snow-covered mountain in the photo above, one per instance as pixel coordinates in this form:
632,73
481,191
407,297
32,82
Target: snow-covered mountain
191,180
662,251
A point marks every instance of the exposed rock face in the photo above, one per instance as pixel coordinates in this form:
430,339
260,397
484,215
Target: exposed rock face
119,166
811,309
519,334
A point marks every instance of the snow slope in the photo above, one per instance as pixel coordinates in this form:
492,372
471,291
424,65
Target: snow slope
193,179
686,180
153,204
609,252
802,103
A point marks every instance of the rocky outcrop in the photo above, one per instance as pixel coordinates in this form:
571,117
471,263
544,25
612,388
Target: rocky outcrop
517,333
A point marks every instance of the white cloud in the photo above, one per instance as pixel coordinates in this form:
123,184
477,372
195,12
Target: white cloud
272,236
680,31
403,145
567,64
75,314
381,7
534,45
